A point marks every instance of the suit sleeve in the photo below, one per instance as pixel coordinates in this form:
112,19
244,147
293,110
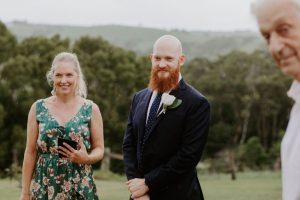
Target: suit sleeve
186,158
130,148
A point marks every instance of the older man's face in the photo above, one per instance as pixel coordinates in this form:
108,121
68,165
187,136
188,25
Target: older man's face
279,23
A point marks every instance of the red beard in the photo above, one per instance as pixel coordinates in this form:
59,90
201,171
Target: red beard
164,84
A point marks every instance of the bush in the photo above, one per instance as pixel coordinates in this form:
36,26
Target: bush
253,154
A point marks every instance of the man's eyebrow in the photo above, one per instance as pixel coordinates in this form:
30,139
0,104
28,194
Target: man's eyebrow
169,57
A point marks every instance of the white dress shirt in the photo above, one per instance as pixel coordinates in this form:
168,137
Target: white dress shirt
290,149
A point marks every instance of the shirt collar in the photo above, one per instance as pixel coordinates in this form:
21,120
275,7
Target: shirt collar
294,91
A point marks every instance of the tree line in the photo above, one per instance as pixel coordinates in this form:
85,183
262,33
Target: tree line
247,93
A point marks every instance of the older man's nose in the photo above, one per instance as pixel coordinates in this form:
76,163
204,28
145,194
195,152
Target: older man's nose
275,44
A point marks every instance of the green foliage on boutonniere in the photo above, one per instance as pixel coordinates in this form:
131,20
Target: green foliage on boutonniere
169,102
175,104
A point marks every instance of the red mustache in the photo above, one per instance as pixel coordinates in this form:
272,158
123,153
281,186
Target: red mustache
161,70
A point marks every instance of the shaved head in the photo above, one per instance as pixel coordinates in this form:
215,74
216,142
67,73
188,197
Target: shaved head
170,42
259,6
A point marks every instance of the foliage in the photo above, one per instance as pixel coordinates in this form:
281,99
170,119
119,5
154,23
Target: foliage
141,39
248,98
111,76
246,91
254,154
7,43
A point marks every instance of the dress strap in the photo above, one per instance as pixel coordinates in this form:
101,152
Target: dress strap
39,109
87,110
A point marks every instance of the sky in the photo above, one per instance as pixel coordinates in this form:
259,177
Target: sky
204,15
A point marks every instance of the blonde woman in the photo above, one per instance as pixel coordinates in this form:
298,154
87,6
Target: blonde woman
64,137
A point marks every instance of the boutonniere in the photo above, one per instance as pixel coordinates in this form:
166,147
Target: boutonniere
169,102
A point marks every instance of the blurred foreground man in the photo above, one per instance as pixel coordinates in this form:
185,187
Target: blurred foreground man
279,23
166,131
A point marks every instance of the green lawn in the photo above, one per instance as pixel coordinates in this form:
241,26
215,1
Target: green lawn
248,186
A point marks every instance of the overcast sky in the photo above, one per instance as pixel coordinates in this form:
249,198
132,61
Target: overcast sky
213,15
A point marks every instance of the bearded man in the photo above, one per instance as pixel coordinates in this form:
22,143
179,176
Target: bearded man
166,131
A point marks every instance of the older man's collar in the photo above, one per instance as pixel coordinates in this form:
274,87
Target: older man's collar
294,91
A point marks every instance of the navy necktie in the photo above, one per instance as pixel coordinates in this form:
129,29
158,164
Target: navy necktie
152,115
150,122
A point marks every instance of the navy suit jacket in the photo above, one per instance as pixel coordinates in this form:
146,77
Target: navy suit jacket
170,154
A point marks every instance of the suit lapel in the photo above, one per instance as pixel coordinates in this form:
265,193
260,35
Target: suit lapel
143,110
177,92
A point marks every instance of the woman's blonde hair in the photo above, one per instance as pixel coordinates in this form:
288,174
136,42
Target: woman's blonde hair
81,89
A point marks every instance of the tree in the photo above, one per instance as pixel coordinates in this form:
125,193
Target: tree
254,154
8,44
248,98
22,82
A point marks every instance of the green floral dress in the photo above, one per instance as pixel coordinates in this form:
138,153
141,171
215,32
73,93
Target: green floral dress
57,178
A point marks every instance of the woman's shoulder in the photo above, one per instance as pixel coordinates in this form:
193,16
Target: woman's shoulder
39,102
92,104
38,106
42,102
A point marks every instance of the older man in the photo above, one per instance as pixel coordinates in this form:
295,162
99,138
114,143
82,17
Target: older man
166,131
279,23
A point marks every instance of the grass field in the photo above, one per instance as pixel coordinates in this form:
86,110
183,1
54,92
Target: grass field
248,186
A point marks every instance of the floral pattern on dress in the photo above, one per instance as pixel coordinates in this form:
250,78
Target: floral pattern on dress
56,178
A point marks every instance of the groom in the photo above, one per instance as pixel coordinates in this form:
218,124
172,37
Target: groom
166,131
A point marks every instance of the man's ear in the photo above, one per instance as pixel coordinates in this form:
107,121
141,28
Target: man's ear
182,60
150,56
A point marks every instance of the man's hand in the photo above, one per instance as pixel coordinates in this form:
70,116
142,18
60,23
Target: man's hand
144,197
137,187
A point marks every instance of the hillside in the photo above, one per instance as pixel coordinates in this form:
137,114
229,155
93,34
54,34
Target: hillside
140,39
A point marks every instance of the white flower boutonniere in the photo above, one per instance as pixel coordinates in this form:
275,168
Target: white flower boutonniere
169,102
